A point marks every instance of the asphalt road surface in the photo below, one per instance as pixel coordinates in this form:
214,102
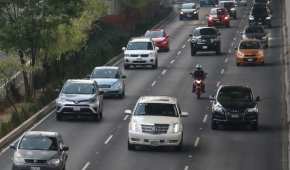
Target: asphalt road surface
103,145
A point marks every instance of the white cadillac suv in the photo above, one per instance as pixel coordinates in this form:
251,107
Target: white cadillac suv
140,51
156,121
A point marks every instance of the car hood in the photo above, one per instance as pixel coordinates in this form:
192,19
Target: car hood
187,10
155,120
138,52
36,154
105,81
250,52
76,97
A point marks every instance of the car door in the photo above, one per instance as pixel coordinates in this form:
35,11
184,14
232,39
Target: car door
63,154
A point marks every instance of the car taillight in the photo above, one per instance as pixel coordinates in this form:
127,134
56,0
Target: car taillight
210,18
226,17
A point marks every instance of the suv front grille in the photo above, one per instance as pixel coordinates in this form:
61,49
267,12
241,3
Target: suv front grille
155,129
144,55
104,86
34,161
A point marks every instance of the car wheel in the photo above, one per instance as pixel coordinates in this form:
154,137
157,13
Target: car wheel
155,66
254,126
193,51
179,146
238,64
218,51
122,95
213,125
131,147
126,66
180,18
59,117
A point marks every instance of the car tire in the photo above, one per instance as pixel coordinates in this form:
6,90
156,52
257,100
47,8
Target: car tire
193,51
131,147
238,64
180,18
126,66
179,146
59,117
155,66
218,51
213,125
122,95
254,126
228,25
269,25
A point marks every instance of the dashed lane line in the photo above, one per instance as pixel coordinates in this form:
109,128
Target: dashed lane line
86,166
183,46
154,83
186,167
126,117
222,71
218,83
172,61
196,142
205,118
108,139
179,52
226,60
164,72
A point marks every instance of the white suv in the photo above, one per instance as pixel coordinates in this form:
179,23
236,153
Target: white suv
156,121
140,51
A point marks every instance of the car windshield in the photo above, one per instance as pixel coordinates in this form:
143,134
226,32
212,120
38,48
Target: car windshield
233,94
38,143
188,6
207,31
154,34
78,88
259,11
156,109
252,30
139,46
250,45
229,5
105,73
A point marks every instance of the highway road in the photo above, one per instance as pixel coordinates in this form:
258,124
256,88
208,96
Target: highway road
103,145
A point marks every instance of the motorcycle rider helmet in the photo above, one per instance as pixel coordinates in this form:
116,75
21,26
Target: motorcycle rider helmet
198,67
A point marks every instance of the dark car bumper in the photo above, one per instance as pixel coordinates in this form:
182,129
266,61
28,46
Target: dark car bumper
190,15
36,167
251,119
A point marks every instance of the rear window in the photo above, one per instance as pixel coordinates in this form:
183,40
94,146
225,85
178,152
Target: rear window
250,45
229,5
207,31
251,30
188,6
154,34
218,11
156,109
235,94
38,143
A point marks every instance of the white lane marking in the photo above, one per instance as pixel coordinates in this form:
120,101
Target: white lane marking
186,167
109,139
188,40
205,118
126,117
196,142
154,83
184,46
172,61
179,52
222,71
232,44
33,127
226,60
218,83
164,72
86,166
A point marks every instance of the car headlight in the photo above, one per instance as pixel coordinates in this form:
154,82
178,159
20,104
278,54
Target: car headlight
233,9
54,162
251,18
93,100
253,110
176,127
18,159
194,12
264,38
181,13
134,127
117,85
240,54
218,108
268,18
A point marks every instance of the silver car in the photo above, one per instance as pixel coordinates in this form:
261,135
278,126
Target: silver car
110,80
38,150
80,98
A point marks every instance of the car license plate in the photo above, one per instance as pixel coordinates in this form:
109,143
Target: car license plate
250,59
34,168
154,143
204,47
235,116
76,108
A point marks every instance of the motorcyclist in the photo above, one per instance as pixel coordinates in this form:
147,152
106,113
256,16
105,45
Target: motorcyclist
198,74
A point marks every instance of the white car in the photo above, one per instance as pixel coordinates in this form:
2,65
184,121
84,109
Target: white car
140,51
156,121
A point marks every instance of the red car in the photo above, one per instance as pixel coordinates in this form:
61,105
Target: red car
218,16
159,37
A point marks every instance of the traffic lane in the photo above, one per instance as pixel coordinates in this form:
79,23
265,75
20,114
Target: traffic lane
241,149
173,81
82,137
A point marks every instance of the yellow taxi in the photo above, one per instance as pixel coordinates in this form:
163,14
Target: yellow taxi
250,51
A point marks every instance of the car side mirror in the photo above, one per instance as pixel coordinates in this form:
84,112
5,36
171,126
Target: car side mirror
12,146
123,48
258,99
101,92
65,148
128,112
211,98
124,76
184,114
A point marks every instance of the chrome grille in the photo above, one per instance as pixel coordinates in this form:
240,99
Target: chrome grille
155,129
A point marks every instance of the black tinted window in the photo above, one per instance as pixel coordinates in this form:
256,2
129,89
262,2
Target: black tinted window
250,45
260,11
156,109
235,94
139,46
254,30
207,31
78,88
38,143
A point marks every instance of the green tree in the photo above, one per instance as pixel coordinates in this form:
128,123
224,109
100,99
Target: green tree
29,26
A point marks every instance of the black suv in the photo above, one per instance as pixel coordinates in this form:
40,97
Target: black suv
261,15
256,32
205,39
188,10
234,105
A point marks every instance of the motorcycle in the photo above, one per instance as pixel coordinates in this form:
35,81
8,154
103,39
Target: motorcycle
198,88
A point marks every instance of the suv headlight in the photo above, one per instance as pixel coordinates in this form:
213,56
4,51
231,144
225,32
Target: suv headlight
176,127
181,12
117,85
251,17
134,127
93,100
18,159
268,18
233,9
253,110
54,162
218,108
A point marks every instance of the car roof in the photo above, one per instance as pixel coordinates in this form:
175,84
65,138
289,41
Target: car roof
140,39
234,86
157,99
106,67
85,81
41,133
203,27
188,3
